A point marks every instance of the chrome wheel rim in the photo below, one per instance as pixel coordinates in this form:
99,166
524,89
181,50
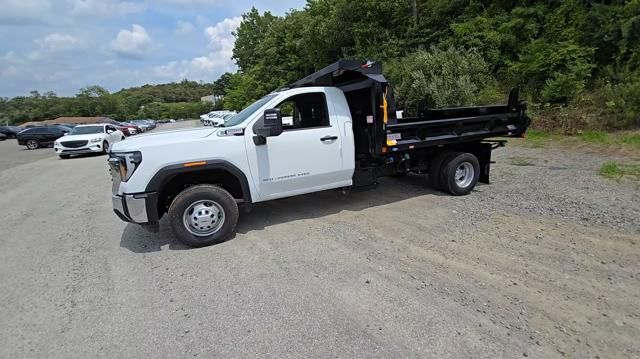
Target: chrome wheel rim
105,146
203,218
464,174
31,144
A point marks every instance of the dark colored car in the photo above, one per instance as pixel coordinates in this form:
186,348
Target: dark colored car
41,136
10,131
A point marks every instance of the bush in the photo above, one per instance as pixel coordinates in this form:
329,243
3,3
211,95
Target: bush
439,78
558,70
623,103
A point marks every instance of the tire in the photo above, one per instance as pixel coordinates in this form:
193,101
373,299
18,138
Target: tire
32,144
122,139
105,147
207,200
459,173
434,169
64,157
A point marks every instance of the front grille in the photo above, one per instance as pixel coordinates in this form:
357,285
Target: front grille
74,144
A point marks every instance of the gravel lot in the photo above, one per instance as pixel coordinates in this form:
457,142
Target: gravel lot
544,262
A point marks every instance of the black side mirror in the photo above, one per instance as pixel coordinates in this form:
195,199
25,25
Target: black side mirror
271,126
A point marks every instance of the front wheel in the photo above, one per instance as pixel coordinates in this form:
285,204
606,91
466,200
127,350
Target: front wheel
203,215
32,144
105,147
459,173
64,157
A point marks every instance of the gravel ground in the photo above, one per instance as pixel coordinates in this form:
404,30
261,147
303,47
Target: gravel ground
544,262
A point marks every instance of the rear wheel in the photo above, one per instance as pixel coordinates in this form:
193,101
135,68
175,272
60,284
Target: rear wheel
434,169
459,173
203,215
32,144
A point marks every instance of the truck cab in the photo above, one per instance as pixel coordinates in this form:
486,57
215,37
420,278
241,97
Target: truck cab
337,132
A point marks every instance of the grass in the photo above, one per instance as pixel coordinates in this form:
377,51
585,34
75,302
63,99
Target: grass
611,170
595,137
537,138
615,171
630,140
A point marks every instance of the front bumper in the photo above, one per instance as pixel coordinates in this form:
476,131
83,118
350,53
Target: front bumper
89,148
139,208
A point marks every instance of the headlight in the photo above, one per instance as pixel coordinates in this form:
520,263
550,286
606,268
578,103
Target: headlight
125,163
97,139
56,143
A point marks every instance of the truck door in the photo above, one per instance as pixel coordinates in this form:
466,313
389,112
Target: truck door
306,157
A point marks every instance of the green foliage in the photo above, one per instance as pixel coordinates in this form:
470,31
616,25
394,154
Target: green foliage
537,138
173,100
558,70
221,85
611,170
616,171
438,78
595,136
622,101
559,52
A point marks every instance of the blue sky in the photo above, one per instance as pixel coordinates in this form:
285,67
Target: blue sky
63,45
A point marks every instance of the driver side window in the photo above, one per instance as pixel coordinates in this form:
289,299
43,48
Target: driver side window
304,111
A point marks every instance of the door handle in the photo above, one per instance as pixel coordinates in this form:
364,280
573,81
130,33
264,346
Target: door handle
329,138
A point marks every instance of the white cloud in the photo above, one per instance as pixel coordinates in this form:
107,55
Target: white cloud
22,12
220,36
58,41
211,65
184,27
105,7
135,43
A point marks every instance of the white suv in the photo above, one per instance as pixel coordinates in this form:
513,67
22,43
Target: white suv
96,138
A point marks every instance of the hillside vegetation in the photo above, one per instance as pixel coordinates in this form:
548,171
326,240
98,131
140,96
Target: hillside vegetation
576,61
173,100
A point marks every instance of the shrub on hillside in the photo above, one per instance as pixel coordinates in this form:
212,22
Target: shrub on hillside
439,78
623,103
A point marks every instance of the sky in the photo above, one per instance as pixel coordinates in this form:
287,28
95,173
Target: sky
64,45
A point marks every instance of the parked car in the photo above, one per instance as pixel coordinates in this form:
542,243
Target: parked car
215,118
84,139
41,136
3,137
143,125
10,131
129,129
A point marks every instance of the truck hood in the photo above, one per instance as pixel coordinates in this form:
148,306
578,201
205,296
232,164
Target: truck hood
161,138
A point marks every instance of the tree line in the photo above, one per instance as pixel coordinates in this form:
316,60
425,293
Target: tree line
577,61
173,100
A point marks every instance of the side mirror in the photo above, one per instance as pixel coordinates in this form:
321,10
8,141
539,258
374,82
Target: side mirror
271,126
65,133
110,131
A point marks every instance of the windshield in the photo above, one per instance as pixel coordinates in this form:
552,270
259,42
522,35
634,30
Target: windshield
244,114
87,130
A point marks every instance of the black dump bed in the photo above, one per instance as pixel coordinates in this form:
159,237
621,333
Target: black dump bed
377,130
460,124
